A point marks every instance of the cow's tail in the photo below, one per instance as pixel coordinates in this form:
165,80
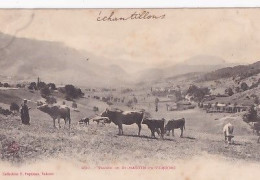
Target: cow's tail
184,123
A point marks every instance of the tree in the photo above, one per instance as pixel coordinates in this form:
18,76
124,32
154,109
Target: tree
251,115
32,86
244,86
6,85
14,107
198,93
52,86
41,85
18,85
229,91
72,92
45,92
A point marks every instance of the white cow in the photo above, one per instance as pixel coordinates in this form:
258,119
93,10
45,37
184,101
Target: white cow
228,132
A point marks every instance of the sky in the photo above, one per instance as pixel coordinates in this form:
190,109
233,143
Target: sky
231,34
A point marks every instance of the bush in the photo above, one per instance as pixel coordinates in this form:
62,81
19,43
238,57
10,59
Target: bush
18,85
256,100
45,92
50,100
6,85
14,107
74,105
41,85
52,86
198,93
251,115
129,103
72,92
5,112
244,86
32,86
109,103
229,91
95,109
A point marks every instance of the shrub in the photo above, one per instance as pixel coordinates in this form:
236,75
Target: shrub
109,103
72,92
251,115
244,86
52,86
229,91
74,105
95,109
129,103
5,112
14,107
6,85
32,86
18,85
45,92
41,85
198,93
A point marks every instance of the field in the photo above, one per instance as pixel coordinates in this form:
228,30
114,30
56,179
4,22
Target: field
100,144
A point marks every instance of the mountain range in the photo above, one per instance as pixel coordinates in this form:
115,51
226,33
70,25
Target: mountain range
27,59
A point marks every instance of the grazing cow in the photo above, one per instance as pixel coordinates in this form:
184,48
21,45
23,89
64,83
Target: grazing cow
175,124
228,132
119,118
84,121
102,120
57,112
155,126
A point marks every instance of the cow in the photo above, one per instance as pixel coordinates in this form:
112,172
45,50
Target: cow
119,117
155,126
175,124
102,120
56,112
228,130
84,121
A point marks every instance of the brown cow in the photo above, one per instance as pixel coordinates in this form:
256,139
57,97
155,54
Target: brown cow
175,124
155,126
84,121
119,117
56,112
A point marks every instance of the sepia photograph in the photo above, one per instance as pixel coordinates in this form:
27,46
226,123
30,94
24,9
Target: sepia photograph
130,93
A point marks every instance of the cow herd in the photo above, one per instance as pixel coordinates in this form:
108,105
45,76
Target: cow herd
119,117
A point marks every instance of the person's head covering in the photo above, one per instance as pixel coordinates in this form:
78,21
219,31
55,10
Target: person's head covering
25,100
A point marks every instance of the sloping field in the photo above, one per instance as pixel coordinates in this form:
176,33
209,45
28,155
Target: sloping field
99,144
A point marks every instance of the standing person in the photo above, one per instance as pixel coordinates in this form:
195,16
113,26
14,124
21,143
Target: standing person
25,117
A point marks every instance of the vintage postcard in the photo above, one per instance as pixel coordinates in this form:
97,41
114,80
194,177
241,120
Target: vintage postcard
130,93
